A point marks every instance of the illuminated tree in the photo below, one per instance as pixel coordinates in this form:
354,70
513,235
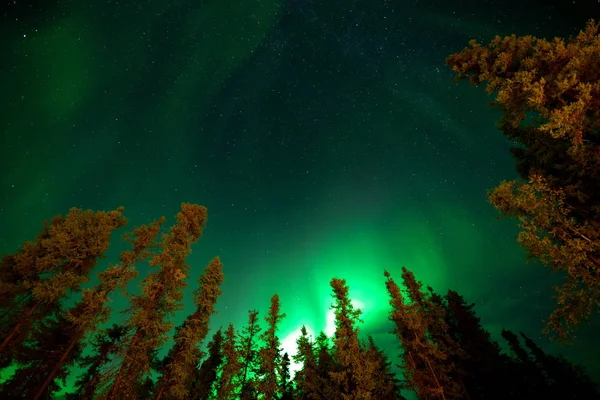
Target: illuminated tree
422,360
231,367
388,387
355,377
161,297
269,355
35,279
92,309
549,93
177,376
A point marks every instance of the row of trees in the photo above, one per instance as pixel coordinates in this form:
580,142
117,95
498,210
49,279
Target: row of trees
445,352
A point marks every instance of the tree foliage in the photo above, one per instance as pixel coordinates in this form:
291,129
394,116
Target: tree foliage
549,94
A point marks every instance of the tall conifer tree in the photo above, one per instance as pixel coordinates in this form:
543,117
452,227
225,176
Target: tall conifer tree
161,297
269,355
177,376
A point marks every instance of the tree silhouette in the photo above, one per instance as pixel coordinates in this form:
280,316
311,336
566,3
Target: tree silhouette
161,297
248,348
286,386
269,355
177,375
105,344
558,156
205,379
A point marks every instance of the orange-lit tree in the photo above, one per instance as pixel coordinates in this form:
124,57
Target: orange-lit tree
549,94
161,297
269,355
35,279
178,373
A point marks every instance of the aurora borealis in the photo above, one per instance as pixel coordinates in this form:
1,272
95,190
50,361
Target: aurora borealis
326,139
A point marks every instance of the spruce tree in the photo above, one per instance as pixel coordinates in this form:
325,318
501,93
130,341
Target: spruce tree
92,309
549,94
177,375
35,279
248,348
307,378
355,377
161,297
422,360
269,356
205,379
388,386
231,368
286,385
105,344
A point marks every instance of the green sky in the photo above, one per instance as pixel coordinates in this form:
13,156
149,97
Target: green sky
326,139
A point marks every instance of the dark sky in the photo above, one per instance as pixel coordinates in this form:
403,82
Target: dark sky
326,138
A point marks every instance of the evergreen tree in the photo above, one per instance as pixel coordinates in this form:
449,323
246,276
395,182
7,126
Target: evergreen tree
205,379
104,344
422,360
177,376
563,379
325,386
269,355
480,359
286,386
92,309
52,336
355,378
161,297
307,378
231,367
248,352
558,156
388,387
35,279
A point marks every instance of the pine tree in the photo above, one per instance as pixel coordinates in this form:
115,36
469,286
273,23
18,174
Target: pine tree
205,379
388,387
52,336
92,309
422,360
231,367
269,355
307,378
177,376
481,357
563,379
248,348
161,297
286,386
325,386
104,344
558,156
35,279
355,378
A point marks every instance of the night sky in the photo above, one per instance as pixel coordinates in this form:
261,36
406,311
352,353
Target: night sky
326,138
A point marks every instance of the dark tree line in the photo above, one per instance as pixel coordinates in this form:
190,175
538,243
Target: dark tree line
444,351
